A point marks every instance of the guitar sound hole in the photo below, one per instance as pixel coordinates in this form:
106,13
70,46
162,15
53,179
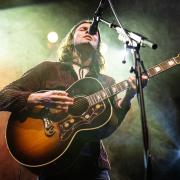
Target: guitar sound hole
79,107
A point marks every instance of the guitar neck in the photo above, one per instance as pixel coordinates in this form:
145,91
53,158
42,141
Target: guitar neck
124,85
163,66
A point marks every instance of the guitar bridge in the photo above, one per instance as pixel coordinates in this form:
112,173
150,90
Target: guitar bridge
48,127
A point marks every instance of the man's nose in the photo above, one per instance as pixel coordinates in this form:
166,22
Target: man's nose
87,31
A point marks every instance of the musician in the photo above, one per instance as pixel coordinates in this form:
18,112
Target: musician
79,57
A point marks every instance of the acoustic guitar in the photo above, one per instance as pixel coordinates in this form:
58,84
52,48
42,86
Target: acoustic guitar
45,140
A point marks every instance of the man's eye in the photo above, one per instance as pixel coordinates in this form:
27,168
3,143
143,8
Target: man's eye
83,29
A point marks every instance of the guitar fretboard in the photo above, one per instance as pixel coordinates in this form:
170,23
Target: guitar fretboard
107,92
124,85
163,66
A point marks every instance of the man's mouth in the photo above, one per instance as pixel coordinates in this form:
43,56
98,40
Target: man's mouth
88,37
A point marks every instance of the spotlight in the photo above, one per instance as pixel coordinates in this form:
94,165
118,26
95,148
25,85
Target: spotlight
52,37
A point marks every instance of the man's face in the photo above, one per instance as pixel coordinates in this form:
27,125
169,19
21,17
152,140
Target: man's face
81,36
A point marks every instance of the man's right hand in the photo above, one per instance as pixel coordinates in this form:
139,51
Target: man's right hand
53,98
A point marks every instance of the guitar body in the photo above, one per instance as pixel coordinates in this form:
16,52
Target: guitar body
47,142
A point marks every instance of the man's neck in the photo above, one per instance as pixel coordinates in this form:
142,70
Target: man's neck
83,54
82,59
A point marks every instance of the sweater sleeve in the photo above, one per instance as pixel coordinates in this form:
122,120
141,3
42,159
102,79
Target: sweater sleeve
124,108
14,96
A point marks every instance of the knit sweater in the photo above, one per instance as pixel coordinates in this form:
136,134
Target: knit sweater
57,76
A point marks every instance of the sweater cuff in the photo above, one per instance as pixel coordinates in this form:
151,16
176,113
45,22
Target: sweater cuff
16,101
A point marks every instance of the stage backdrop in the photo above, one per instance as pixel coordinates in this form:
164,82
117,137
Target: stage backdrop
23,33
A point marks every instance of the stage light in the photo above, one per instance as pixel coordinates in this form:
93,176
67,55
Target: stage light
178,154
52,37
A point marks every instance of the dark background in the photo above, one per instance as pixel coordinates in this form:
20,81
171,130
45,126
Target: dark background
159,21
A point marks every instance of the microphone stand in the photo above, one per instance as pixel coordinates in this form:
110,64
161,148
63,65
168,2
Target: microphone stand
135,47
140,96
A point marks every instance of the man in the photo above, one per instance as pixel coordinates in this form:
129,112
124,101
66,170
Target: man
79,57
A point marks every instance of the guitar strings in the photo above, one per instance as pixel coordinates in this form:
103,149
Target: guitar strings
80,103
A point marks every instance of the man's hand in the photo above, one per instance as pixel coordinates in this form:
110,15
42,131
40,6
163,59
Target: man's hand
132,82
131,92
53,99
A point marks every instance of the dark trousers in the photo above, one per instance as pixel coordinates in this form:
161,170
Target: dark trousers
98,175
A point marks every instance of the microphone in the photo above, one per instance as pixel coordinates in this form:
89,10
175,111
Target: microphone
97,15
136,37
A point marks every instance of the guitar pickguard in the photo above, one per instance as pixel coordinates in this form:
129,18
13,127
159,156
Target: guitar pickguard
85,121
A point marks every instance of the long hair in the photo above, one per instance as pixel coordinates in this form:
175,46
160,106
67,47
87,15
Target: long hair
66,49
